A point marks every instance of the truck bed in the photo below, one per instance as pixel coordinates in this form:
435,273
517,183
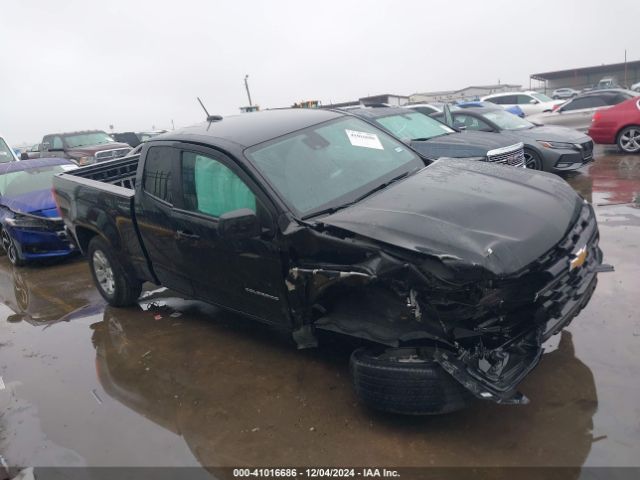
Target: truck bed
121,173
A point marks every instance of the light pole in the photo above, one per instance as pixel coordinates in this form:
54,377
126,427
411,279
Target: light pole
246,85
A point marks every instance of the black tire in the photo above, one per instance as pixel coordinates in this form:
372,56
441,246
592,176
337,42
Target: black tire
628,139
419,387
119,287
9,247
532,160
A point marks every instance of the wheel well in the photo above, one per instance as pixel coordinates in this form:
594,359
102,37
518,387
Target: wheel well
623,127
84,236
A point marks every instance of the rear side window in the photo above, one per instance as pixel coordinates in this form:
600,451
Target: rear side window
524,99
157,173
584,102
503,100
211,188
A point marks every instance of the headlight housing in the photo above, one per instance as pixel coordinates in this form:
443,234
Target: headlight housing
29,222
86,160
559,145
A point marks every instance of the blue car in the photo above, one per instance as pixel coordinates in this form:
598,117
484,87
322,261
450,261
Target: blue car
30,225
516,110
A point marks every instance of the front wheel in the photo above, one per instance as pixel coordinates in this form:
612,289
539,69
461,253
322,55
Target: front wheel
532,160
9,246
629,139
404,380
114,283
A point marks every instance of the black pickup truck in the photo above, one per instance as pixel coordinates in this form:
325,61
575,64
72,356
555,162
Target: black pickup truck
452,273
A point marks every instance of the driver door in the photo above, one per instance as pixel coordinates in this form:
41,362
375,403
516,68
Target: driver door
243,274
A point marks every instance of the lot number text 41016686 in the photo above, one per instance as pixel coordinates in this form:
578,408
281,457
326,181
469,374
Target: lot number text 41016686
317,472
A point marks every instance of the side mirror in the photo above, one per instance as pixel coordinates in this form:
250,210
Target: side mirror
24,156
239,224
45,146
533,101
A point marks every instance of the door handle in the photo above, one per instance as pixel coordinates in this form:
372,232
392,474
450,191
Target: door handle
186,235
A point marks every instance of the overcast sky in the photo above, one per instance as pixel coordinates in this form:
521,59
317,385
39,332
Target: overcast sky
75,65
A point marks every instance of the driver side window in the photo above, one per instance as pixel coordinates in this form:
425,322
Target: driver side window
57,143
470,123
211,188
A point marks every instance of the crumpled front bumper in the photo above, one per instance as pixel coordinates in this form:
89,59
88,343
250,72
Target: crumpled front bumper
494,374
498,381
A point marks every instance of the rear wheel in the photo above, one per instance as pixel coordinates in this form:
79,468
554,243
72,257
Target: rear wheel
402,380
9,246
629,139
118,287
532,160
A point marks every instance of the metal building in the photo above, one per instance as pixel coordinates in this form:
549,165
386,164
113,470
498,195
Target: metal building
626,73
473,92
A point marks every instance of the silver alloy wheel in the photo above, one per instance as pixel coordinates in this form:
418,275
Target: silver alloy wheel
9,247
104,272
531,161
630,139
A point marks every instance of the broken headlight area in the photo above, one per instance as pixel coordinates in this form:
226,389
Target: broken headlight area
33,222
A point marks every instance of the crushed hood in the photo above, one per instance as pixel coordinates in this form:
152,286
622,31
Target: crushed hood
501,218
39,203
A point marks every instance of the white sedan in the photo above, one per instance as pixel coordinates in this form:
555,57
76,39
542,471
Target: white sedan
530,102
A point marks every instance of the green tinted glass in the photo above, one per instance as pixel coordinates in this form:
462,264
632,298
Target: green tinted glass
210,187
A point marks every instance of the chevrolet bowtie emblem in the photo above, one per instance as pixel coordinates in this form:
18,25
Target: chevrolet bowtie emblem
578,258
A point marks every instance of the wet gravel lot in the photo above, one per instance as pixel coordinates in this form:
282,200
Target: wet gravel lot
177,382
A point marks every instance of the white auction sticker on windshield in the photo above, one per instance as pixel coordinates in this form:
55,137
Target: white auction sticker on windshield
364,139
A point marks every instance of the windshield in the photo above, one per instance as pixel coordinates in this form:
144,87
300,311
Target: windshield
91,138
331,164
410,126
542,97
24,181
507,121
5,152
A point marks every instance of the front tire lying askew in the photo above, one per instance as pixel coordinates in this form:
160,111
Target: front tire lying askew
403,380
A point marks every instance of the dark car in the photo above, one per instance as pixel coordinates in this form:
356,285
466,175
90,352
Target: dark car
548,148
31,227
134,139
452,272
83,148
31,152
434,139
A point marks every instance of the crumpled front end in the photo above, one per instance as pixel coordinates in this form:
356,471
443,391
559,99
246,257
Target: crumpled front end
486,331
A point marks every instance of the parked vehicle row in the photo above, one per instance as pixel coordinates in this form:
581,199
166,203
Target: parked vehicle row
453,272
577,112
548,148
133,139
434,139
530,102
